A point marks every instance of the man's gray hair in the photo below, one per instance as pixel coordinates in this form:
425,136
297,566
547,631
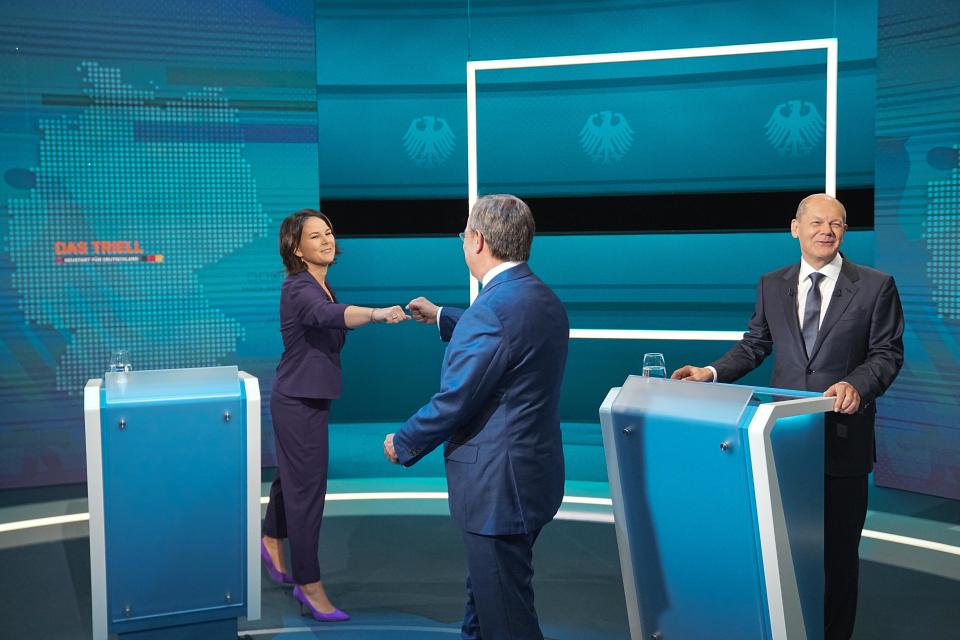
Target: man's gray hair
507,225
820,196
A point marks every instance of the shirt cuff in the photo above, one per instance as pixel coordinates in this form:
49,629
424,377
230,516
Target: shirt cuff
713,371
439,310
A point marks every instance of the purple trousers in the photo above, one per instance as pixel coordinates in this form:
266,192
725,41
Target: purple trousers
299,491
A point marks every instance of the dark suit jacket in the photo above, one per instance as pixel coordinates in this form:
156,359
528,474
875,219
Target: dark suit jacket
860,341
498,407
313,332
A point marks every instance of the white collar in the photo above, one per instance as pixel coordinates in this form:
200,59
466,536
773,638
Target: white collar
497,270
831,269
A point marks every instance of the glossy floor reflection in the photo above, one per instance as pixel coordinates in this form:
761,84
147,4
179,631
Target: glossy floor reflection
397,567
403,577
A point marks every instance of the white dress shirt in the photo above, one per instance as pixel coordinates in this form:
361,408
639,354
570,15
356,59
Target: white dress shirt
831,272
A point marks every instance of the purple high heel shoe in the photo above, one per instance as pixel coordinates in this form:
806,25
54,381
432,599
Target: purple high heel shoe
275,574
334,616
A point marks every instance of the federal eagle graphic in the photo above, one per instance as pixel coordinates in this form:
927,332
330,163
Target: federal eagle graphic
606,137
429,141
794,128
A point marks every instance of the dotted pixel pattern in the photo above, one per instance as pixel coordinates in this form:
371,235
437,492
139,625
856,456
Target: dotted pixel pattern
942,235
168,177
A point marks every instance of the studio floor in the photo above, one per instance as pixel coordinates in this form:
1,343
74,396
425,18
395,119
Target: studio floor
396,565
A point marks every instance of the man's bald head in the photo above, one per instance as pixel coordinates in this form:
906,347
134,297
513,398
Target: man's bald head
820,198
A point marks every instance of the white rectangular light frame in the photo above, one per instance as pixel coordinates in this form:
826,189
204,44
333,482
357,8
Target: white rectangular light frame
830,172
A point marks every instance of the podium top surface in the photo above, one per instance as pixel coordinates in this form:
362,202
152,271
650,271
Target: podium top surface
171,384
702,401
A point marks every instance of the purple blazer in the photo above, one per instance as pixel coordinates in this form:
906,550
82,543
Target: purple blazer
313,332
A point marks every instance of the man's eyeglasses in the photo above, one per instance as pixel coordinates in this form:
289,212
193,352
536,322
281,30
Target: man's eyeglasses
463,236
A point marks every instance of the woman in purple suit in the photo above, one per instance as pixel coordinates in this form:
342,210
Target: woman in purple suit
313,325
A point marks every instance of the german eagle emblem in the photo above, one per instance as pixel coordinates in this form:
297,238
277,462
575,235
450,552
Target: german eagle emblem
429,141
606,137
794,128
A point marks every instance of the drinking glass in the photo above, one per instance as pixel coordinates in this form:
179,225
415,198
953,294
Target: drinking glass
654,366
119,361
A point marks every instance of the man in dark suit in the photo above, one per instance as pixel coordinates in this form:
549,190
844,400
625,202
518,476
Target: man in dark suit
836,327
497,415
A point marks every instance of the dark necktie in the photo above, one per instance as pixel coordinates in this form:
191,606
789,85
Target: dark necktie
811,312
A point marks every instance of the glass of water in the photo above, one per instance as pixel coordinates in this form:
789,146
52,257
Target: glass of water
119,361
654,366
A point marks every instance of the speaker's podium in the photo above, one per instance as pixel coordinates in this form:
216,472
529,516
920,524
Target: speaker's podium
173,476
718,504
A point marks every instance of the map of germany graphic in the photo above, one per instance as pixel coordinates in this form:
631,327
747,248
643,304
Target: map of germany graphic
133,196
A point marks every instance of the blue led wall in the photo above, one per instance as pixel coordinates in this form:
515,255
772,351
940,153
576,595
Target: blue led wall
392,98
149,151
918,240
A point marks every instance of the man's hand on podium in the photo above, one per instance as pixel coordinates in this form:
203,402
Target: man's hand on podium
848,398
694,374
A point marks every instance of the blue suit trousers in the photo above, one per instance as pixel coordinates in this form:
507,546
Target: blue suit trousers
500,588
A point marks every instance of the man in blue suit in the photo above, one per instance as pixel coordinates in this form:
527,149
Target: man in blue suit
497,416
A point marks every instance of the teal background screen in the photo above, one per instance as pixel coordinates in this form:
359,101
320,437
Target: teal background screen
149,151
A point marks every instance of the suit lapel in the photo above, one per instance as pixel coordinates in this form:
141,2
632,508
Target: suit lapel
789,302
843,293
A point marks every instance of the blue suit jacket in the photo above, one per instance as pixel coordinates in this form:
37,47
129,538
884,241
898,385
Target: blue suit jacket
497,409
313,332
860,341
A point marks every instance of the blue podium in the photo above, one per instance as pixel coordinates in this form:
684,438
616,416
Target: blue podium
173,477
717,495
